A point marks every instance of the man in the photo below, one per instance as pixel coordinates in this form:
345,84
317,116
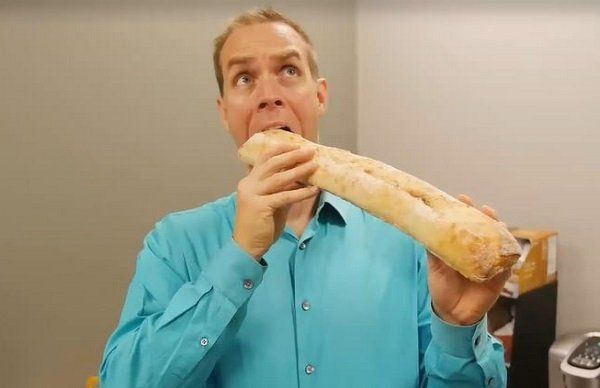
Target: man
280,285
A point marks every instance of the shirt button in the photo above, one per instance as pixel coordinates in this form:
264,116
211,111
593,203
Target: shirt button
309,369
204,341
490,381
306,305
477,339
248,284
302,246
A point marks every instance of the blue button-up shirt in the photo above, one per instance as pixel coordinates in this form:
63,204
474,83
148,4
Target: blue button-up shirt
346,305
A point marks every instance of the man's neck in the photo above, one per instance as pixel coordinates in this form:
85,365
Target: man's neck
300,214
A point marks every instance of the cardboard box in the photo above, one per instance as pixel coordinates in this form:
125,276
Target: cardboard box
537,264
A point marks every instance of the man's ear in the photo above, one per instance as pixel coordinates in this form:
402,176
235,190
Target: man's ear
322,95
223,112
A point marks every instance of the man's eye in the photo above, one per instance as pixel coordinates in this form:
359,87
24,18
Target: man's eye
290,70
243,79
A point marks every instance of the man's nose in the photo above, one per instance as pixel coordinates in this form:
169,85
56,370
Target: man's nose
269,103
269,97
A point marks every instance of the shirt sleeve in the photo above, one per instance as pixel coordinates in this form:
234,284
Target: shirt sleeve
172,331
455,356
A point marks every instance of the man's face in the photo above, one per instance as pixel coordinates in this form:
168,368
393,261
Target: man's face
267,83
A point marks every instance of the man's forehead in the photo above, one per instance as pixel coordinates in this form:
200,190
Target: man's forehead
265,39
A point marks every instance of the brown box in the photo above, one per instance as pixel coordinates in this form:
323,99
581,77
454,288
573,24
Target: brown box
537,265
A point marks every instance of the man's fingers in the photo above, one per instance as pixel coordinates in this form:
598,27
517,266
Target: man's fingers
294,186
284,161
285,198
498,281
488,211
503,276
485,209
465,199
278,182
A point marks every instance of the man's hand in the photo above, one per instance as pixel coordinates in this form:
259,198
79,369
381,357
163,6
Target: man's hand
456,299
266,193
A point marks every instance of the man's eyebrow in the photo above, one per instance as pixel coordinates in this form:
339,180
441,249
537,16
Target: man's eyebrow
291,53
238,61
280,57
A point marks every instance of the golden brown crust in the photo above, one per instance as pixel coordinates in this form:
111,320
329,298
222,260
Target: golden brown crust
472,243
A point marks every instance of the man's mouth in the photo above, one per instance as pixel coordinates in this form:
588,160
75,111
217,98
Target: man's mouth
277,126
281,125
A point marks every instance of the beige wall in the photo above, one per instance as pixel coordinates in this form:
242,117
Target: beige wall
108,122
502,103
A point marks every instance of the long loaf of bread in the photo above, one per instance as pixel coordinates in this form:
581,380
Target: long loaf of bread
469,241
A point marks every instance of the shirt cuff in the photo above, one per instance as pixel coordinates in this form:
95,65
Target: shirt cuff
460,341
234,273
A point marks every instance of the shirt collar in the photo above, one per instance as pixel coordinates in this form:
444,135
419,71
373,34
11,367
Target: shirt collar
339,207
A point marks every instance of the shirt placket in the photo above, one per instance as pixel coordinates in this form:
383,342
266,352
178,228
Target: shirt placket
303,305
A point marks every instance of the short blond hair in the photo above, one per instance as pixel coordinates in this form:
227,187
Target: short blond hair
258,16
